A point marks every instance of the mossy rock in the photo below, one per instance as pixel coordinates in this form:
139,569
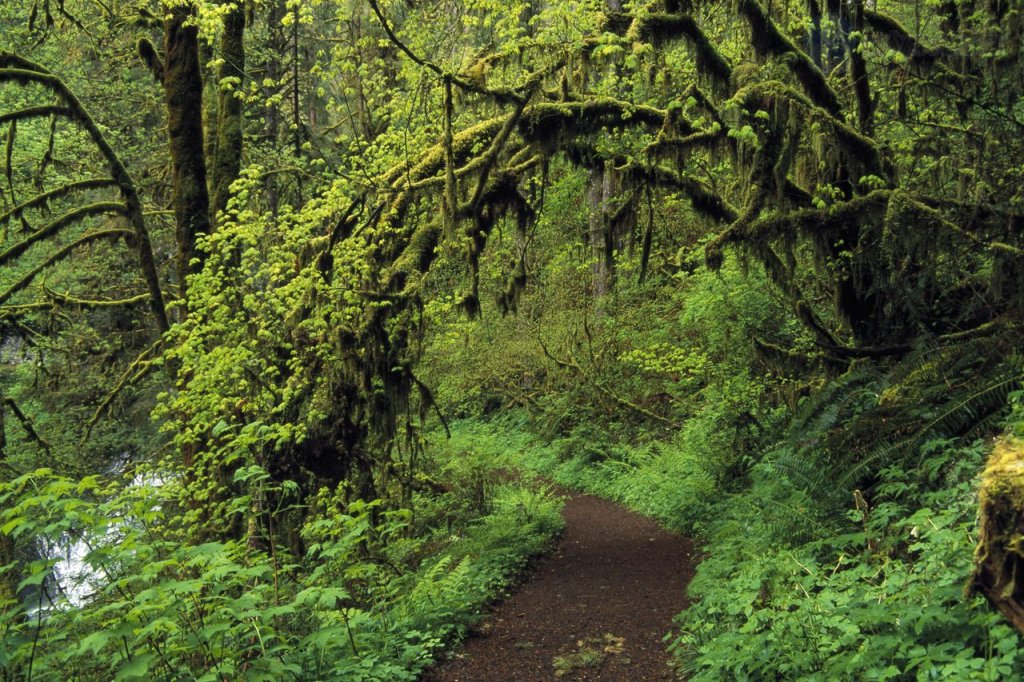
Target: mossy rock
999,557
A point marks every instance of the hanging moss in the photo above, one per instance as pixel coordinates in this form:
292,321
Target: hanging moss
900,39
858,147
515,284
660,28
768,40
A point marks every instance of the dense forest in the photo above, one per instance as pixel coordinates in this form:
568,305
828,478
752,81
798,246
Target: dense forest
306,306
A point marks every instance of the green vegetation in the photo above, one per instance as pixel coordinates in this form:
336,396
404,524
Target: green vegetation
297,294
373,594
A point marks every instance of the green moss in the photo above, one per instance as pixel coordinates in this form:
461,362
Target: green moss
999,556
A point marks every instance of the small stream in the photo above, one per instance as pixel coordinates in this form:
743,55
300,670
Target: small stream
73,581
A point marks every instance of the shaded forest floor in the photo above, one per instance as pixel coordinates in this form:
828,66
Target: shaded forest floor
597,608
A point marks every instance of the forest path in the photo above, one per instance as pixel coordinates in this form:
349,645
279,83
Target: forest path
595,609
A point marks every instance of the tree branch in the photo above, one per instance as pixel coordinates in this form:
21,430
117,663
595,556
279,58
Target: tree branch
18,69
59,256
46,197
57,225
501,96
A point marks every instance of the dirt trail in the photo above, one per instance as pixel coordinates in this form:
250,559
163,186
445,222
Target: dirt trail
595,609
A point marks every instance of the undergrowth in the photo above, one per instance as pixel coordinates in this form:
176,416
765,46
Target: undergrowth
376,594
834,499
800,580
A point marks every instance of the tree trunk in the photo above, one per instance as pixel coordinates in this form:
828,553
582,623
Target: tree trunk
999,557
183,93
227,159
602,186
814,40
602,263
210,89
277,45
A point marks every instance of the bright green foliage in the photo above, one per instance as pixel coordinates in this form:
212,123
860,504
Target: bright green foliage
838,534
362,603
880,599
758,268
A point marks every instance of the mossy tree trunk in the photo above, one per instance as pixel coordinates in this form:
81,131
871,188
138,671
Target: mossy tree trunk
209,76
999,558
274,68
183,93
602,187
599,185
227,158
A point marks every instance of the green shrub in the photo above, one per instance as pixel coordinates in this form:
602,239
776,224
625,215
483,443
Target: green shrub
359,604
880,598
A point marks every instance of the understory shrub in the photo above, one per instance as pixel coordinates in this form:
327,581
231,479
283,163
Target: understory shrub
782,595
375,596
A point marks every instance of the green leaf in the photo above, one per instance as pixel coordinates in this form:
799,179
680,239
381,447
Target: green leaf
137,668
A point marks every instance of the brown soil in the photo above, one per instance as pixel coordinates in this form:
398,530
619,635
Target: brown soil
596,609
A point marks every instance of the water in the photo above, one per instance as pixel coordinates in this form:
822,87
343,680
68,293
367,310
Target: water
73,582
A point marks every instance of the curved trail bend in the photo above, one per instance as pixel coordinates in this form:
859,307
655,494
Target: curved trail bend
596,609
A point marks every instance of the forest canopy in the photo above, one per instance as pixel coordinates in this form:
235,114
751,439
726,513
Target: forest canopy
266,262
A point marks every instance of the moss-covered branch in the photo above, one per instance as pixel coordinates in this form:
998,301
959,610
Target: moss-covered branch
26,423
69,218
15,68
138,368
547,122
900,39
490,157
704,200
854,143
44,111
548,125
60,255
74,301
62,191
767,39
148,54
659,28
801,222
